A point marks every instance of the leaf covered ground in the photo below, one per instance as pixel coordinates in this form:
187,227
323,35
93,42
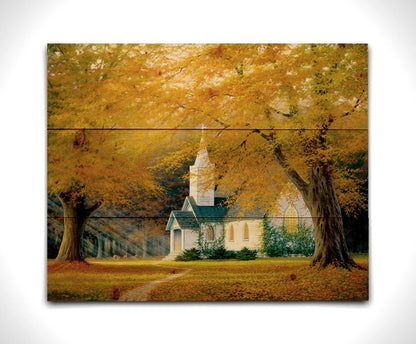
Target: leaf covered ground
264,279
267,279
100,279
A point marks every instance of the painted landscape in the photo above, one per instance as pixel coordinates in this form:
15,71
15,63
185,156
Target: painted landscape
207,172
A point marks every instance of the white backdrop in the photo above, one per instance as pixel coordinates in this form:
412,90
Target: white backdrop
25,29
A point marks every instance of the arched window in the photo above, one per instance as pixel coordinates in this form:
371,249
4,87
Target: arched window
291,219
210,234
231,238
245,232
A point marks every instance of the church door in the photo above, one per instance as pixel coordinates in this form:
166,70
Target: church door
177,240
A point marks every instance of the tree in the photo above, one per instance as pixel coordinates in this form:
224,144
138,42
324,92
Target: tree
275,114
298,111
91,87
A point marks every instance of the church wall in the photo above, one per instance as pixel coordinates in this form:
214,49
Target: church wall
277,218
171,241
173,226
191,239
218,230
193,184
201,186
254,241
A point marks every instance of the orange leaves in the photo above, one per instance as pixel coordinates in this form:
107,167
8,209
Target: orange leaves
297,91
109,165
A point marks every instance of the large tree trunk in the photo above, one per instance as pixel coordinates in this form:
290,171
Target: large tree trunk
321,199
75,215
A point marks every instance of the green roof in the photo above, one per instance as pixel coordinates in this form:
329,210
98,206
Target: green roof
219,212
213,213
185,219
238,212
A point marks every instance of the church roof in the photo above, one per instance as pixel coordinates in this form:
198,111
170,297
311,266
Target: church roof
192,215
238,212
209,214
204,213
185,219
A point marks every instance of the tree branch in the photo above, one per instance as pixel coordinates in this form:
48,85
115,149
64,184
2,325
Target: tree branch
269,138
354,107
271,109
244,142
292,174
90,210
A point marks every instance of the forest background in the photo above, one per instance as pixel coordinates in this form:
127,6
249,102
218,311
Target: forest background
280,118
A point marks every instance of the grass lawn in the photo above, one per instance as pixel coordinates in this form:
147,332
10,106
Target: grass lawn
264,279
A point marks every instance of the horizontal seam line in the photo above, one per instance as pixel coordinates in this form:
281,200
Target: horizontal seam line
212,129
183,217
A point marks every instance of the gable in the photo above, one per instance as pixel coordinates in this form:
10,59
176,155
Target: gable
170,222
185,219
182,219
202,213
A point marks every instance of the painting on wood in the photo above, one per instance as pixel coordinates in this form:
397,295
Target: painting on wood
207,172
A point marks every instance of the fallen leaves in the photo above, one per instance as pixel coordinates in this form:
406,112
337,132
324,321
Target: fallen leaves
271,279
265,279
99,280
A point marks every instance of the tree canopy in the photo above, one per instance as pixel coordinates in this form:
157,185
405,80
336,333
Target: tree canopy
89,89
94,92
308,100
275,113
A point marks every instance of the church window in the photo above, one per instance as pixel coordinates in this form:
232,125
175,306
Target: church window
232,233
210,234
291,219
245,232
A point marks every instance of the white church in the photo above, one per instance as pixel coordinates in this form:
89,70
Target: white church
204,213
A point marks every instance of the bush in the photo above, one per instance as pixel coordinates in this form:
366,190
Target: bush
207,248
246,254
278,242
188,255
305,243
221,253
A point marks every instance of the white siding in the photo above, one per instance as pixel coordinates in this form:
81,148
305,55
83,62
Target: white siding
191,239
254,242
218,229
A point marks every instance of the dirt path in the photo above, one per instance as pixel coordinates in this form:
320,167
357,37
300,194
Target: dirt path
141,293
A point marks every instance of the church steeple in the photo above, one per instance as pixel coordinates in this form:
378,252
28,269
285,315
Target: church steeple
202,142
202,158
202,176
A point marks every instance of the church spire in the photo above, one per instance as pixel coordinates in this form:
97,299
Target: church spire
202,175
202,143
202,158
